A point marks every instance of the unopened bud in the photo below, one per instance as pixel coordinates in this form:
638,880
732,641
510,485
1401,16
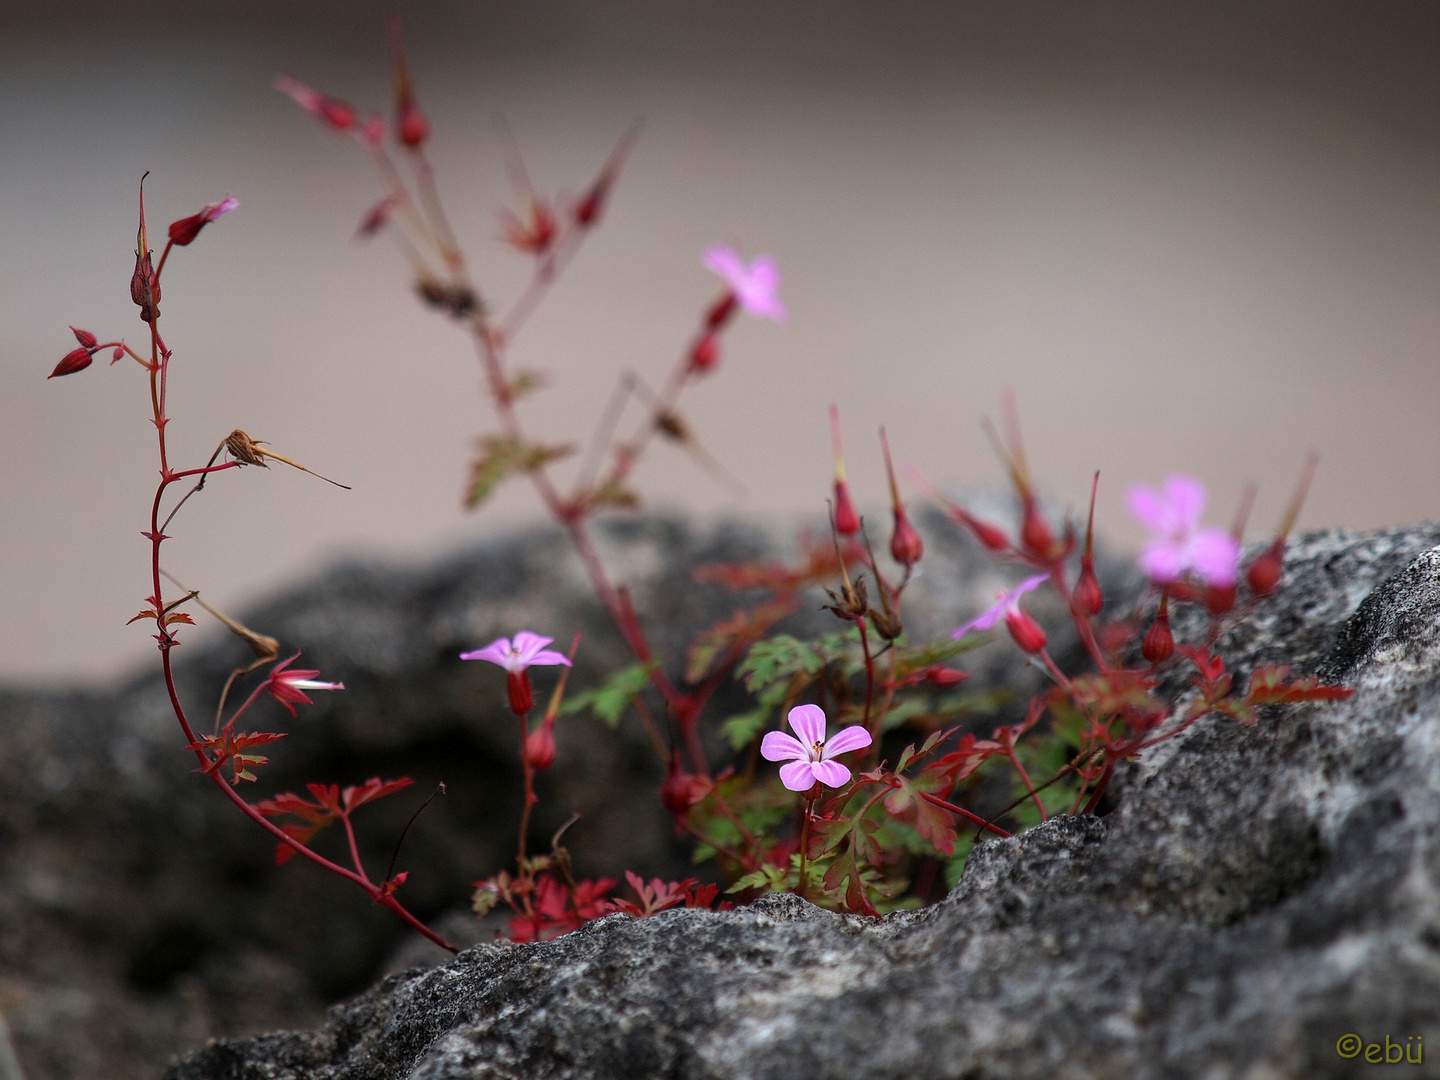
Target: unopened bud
522,697
540,747
705,353
1028,633
944,677
1159,643
1219,599
720,311
84,337
75,360
411,126
1264,573
1087,599
991,537
847,521
677,793
906,547
1035,534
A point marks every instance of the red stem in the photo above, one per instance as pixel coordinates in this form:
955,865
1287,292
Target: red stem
966,814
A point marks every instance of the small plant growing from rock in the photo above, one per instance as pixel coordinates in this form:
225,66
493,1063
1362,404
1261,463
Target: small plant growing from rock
857,817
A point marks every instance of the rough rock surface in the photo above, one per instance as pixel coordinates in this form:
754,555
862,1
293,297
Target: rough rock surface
140,915
1259,894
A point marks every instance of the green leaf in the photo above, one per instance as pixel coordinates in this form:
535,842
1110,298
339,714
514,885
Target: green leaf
741,730
610,699
502,456
778,658
904,711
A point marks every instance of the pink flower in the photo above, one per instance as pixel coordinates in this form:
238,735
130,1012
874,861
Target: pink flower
290,686
1180,544
1027,633
186,229
811,755
527,650
754,286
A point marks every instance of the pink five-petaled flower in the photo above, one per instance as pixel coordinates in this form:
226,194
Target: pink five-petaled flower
1027,633
290,686
753,286
527,650
186,229
811,756
1180,543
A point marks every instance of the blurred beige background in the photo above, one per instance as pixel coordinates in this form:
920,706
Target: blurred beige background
1200,237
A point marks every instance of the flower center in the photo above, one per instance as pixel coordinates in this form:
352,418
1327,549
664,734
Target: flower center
817,751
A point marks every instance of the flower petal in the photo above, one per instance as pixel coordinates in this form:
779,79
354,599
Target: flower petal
830,773
778,746
808,722
497,652
527,645
1215,555
1186,498
549,656
854,737
1030,584
1162,560
724,260
798,775
1149,508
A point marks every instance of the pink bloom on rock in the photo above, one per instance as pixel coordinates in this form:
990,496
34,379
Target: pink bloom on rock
527,650
1180,544
289,687
811,756
754,286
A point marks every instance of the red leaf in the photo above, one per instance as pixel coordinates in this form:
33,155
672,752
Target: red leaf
354,797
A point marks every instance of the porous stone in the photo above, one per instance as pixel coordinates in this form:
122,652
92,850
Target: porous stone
140,915
1259,894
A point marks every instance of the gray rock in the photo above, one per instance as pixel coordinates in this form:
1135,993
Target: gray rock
140,915
1259,894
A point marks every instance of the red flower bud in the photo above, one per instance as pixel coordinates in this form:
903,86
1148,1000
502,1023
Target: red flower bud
411,125
1035,534
522,698
847,521
720,311
991,537
1264,573
75,360
906,547
84,337
705,354
1087,599
680,791
1028,634
185,230
944,676
1159,643
540,747
1219,599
